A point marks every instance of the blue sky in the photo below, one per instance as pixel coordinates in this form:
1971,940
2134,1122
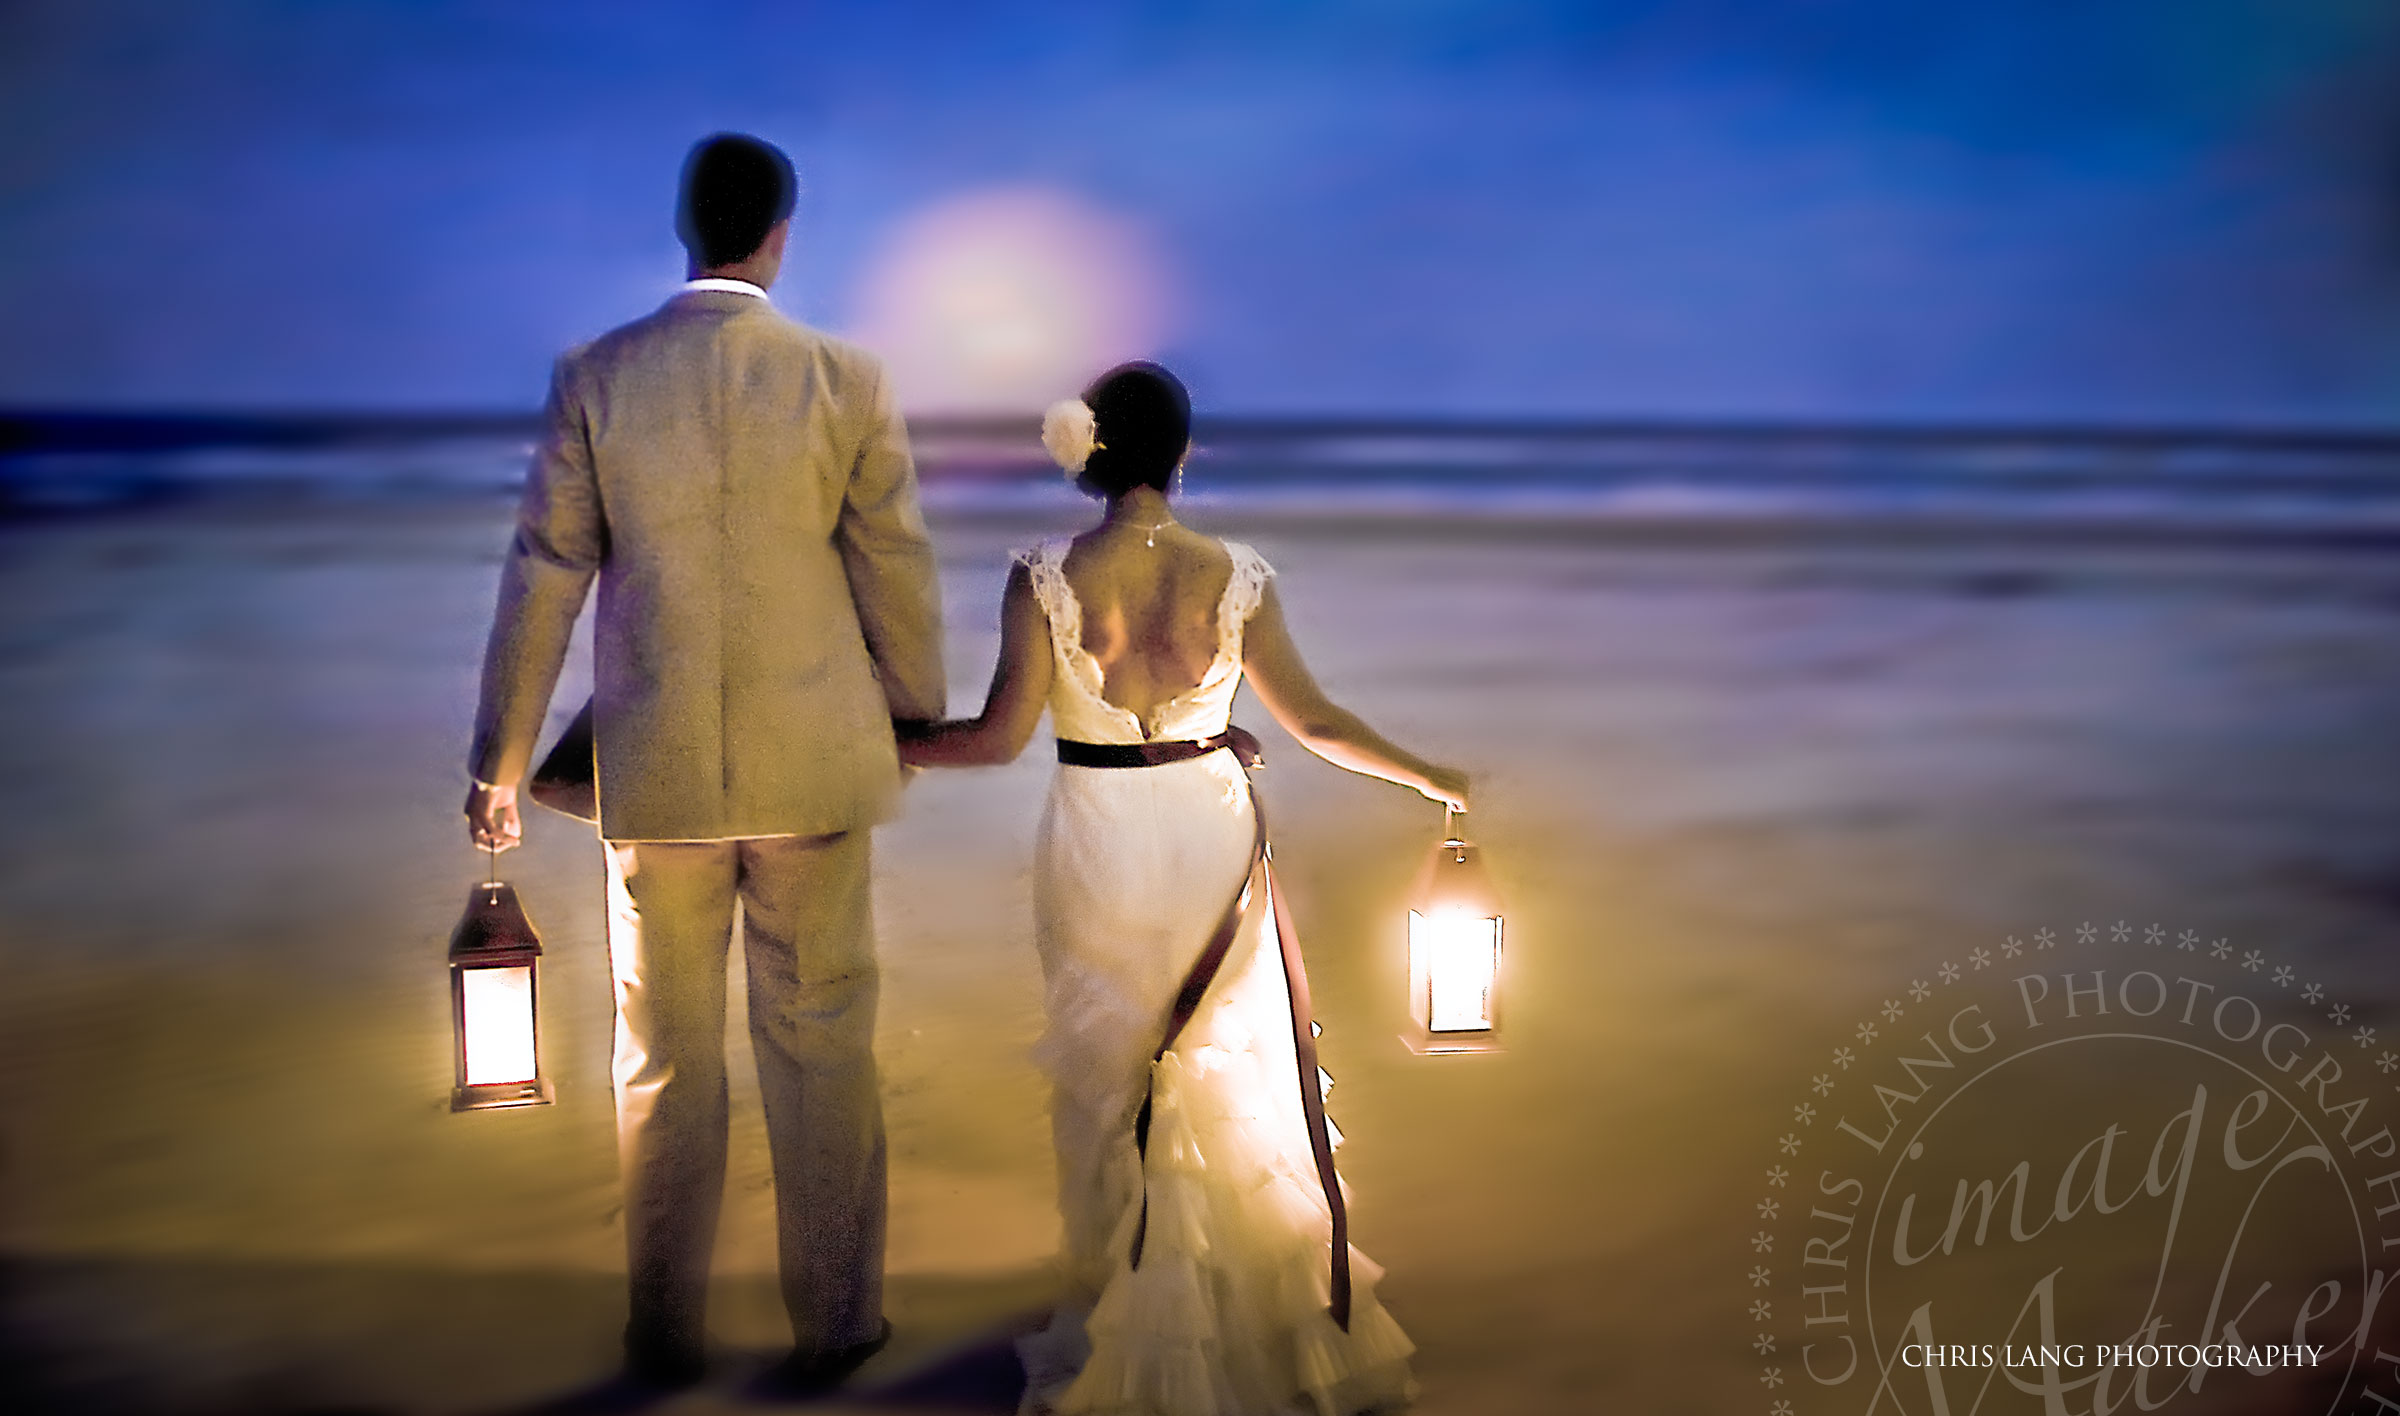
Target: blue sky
2112,211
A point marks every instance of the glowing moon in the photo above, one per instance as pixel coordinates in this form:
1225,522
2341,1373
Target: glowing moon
1006,299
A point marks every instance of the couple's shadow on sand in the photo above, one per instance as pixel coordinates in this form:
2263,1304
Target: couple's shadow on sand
266,1338
977,1373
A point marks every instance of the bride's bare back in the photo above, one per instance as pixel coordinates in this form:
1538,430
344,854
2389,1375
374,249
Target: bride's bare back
1149,611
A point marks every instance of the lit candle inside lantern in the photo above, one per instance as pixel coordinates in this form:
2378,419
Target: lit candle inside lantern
1462,964
494,1006
498,1003
1454,951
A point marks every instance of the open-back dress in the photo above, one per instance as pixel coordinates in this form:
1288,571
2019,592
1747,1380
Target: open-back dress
1201,1276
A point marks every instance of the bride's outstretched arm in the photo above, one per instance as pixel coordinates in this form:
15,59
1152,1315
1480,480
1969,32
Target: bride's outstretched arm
1020,690
1283,683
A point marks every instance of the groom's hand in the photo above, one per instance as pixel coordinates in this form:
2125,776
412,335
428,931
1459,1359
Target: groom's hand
492,821
907,732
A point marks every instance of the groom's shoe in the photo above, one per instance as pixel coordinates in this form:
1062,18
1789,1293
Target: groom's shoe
809,1372
661,1365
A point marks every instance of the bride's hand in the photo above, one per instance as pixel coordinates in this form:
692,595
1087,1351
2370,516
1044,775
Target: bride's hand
1446,785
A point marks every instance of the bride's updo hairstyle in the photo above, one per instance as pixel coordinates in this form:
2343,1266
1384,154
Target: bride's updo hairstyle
1141,425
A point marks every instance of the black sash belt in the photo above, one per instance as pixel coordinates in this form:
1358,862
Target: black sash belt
1157,754
1204,973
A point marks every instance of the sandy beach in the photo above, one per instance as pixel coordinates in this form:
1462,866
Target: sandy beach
1742,793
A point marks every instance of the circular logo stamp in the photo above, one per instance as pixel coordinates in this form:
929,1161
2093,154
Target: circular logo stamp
2087,1171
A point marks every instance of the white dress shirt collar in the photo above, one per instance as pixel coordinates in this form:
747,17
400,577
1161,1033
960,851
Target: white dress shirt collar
731,287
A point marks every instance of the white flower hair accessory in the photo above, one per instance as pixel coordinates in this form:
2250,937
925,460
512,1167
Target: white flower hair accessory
1071,434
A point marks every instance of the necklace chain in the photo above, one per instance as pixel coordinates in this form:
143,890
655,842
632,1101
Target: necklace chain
1150,536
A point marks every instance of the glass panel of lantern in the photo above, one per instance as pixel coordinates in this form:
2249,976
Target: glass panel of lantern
1455,924
495,1004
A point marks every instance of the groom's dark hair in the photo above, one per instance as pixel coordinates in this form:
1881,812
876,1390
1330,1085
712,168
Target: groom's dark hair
735,188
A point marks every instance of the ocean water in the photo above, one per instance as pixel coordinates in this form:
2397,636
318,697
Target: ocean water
2313,485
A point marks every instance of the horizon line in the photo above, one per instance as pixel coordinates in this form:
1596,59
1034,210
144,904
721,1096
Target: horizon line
34,428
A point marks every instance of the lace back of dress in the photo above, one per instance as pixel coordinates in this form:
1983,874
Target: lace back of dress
1045,566
1243,592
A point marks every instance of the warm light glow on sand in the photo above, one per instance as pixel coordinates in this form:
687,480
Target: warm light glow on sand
1005,300
1458,955
499,1007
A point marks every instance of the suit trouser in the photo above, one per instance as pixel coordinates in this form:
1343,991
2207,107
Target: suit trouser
808,942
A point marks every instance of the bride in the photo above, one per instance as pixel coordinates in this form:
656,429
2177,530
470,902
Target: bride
1207,1260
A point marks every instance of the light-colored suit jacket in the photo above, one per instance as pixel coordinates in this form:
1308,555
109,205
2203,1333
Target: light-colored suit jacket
741,487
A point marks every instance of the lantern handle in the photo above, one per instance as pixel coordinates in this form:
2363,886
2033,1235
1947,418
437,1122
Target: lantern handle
491,855
1450,836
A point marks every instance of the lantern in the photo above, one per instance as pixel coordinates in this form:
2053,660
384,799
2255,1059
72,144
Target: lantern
1454,950
493,1007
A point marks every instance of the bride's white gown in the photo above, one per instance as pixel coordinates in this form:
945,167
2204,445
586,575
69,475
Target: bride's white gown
1227,1311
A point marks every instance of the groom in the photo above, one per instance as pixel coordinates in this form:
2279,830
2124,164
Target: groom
741,487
